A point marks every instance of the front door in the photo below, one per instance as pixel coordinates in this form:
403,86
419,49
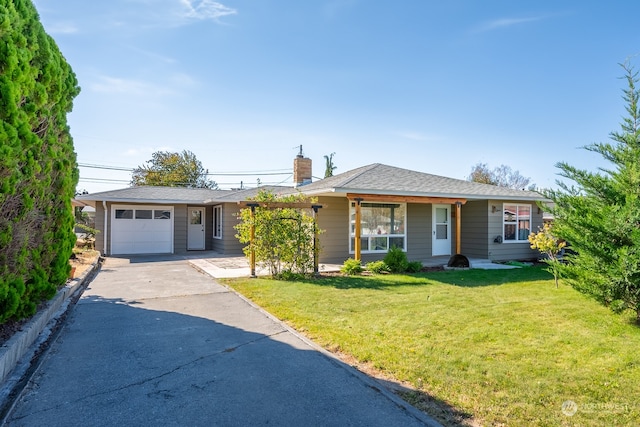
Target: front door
441,230
195,237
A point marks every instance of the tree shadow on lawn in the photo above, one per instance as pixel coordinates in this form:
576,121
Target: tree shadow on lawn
463,278
439,409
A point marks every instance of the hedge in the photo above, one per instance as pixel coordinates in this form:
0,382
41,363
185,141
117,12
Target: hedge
38,168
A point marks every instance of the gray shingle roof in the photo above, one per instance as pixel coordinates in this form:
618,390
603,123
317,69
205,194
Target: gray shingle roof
239,195
149,194
383,179
371,179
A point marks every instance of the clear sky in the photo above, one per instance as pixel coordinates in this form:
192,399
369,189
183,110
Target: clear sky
433,86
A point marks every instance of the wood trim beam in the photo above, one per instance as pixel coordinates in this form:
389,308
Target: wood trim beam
279,205
357,240
404,199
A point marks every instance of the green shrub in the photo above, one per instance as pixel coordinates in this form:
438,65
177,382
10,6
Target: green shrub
396,260
377,267
414,267
283,236
351,267
290,276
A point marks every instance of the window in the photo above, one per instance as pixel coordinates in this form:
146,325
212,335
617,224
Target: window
144,213
516,222
124,213
196,217
161,214
382,226
217,222
141,213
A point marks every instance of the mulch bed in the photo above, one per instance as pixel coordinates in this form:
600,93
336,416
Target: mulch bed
328,274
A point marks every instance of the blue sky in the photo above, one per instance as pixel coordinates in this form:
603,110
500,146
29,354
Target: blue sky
433,86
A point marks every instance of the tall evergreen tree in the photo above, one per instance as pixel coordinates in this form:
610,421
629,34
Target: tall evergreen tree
599,216
38,169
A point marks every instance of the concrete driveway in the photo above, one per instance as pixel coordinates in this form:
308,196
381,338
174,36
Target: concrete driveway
153,341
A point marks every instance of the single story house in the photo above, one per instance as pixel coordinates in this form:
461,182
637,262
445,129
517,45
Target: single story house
424,214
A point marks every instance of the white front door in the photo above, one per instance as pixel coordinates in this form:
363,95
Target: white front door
441,230
195,237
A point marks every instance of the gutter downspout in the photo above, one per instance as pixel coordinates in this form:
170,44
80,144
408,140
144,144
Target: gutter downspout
104,247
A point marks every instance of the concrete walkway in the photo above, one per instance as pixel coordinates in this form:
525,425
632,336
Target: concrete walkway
221,266
152,341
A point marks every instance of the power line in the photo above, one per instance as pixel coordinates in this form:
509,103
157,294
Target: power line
247,173
266,172
240,173
102,180
114,168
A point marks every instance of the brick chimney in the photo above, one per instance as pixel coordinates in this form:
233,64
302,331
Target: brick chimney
301,170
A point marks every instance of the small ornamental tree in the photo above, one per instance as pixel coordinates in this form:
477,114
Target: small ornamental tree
549,245
283,236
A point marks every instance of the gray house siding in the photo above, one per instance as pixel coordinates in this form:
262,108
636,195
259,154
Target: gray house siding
180,221
419,227
333,220
208,228
99,225
474,239
507,250
228,244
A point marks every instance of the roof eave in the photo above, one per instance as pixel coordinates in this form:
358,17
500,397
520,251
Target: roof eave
443,195
149,201
330,191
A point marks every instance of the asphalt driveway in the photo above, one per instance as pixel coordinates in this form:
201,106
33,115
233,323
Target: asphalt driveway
152,341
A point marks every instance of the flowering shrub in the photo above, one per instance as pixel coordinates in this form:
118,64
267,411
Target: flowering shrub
549,245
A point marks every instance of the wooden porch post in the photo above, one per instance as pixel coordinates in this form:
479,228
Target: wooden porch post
458,226
357,249
315,239
252,256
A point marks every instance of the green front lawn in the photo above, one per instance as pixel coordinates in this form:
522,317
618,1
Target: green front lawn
491,347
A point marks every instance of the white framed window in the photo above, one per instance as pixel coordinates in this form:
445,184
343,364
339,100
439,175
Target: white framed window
161,214
144,213
217,222
382,226
516,222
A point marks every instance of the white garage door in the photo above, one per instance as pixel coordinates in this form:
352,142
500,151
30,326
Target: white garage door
141,229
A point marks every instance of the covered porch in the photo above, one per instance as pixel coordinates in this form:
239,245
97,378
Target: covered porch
444,227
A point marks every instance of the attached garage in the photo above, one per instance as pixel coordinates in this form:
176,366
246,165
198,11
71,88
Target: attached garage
137,229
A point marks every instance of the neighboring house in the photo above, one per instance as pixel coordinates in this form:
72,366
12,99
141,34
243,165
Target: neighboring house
88,211
426,215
